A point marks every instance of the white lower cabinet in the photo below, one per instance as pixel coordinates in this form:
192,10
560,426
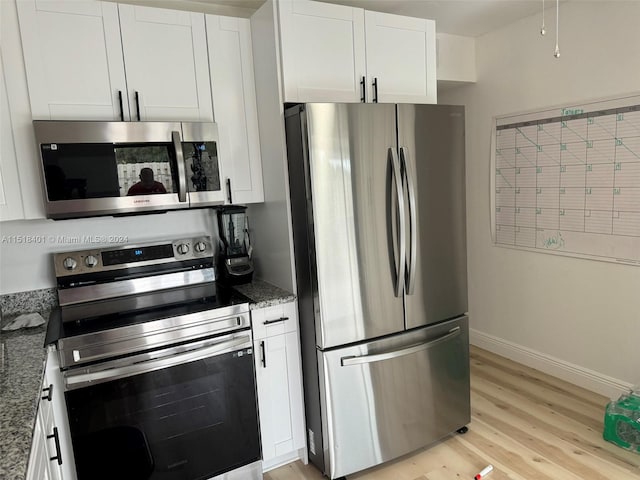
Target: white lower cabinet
51,454
279,384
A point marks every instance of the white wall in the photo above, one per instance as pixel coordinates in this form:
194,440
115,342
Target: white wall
456,60
582,312
26,246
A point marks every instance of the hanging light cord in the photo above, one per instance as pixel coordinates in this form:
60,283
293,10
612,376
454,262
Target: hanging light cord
556,53
542,29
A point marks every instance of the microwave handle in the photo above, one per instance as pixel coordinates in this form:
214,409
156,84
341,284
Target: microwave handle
182,174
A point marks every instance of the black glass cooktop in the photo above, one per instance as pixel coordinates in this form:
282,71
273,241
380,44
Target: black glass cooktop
207,297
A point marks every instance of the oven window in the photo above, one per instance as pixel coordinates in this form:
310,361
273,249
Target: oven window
88,170
187,422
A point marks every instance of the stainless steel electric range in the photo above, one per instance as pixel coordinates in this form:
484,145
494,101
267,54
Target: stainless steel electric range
157,363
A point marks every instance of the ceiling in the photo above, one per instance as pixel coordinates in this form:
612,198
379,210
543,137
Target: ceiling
461,17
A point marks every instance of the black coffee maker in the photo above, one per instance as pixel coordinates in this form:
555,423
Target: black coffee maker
234,258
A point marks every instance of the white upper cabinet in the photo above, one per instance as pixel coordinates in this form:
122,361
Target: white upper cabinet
73,59
165,57
20,178
10,196
234,103
92,60
334,53
323,51
401,58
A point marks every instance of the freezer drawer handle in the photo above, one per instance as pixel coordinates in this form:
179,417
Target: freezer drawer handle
346,361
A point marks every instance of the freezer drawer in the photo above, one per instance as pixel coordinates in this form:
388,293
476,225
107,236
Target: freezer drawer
386,398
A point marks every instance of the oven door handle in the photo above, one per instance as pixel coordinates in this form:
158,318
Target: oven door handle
79,380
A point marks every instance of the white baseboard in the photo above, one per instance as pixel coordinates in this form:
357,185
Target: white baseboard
583,377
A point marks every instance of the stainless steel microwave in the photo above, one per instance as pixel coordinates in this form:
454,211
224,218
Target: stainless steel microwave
118,168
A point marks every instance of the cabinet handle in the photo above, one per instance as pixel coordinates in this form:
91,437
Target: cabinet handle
281,319
263,355
375,89
363,90
49,391
137,105
56,439
121,107
229,190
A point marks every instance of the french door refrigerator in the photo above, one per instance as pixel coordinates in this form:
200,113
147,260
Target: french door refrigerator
378,213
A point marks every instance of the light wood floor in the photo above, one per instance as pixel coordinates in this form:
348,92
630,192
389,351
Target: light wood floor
528,425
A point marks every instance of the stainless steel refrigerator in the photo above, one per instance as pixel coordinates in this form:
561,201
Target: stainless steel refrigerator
378,212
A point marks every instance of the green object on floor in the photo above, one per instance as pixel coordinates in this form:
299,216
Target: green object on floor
622,421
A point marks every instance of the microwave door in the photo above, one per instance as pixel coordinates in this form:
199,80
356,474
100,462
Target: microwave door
200,151
109,168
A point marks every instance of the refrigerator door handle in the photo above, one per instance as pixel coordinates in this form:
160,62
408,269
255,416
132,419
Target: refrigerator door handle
401,258
413,220
347,361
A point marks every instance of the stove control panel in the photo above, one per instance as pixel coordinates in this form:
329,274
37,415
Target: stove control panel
129,256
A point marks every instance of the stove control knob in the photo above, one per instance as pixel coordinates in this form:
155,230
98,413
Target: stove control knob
69,263
91,261
200,247
183,249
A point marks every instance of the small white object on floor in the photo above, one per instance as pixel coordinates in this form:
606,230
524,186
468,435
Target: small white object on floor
27,320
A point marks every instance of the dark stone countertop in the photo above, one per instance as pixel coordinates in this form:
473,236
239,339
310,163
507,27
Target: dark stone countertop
263,294
21,370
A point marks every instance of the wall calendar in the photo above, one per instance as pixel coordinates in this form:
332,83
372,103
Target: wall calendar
567,180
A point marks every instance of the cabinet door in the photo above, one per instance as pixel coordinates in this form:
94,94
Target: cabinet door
73,59
234,104
279,395
55,415
401,55
165,56
10,196
323,51
36,468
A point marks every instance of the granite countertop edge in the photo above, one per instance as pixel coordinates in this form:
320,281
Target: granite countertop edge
263,294
20,387
20,380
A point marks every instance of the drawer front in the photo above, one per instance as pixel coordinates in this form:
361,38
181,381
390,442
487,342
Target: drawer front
275,320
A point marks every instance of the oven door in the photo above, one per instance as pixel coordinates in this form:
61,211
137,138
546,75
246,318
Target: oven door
186,412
